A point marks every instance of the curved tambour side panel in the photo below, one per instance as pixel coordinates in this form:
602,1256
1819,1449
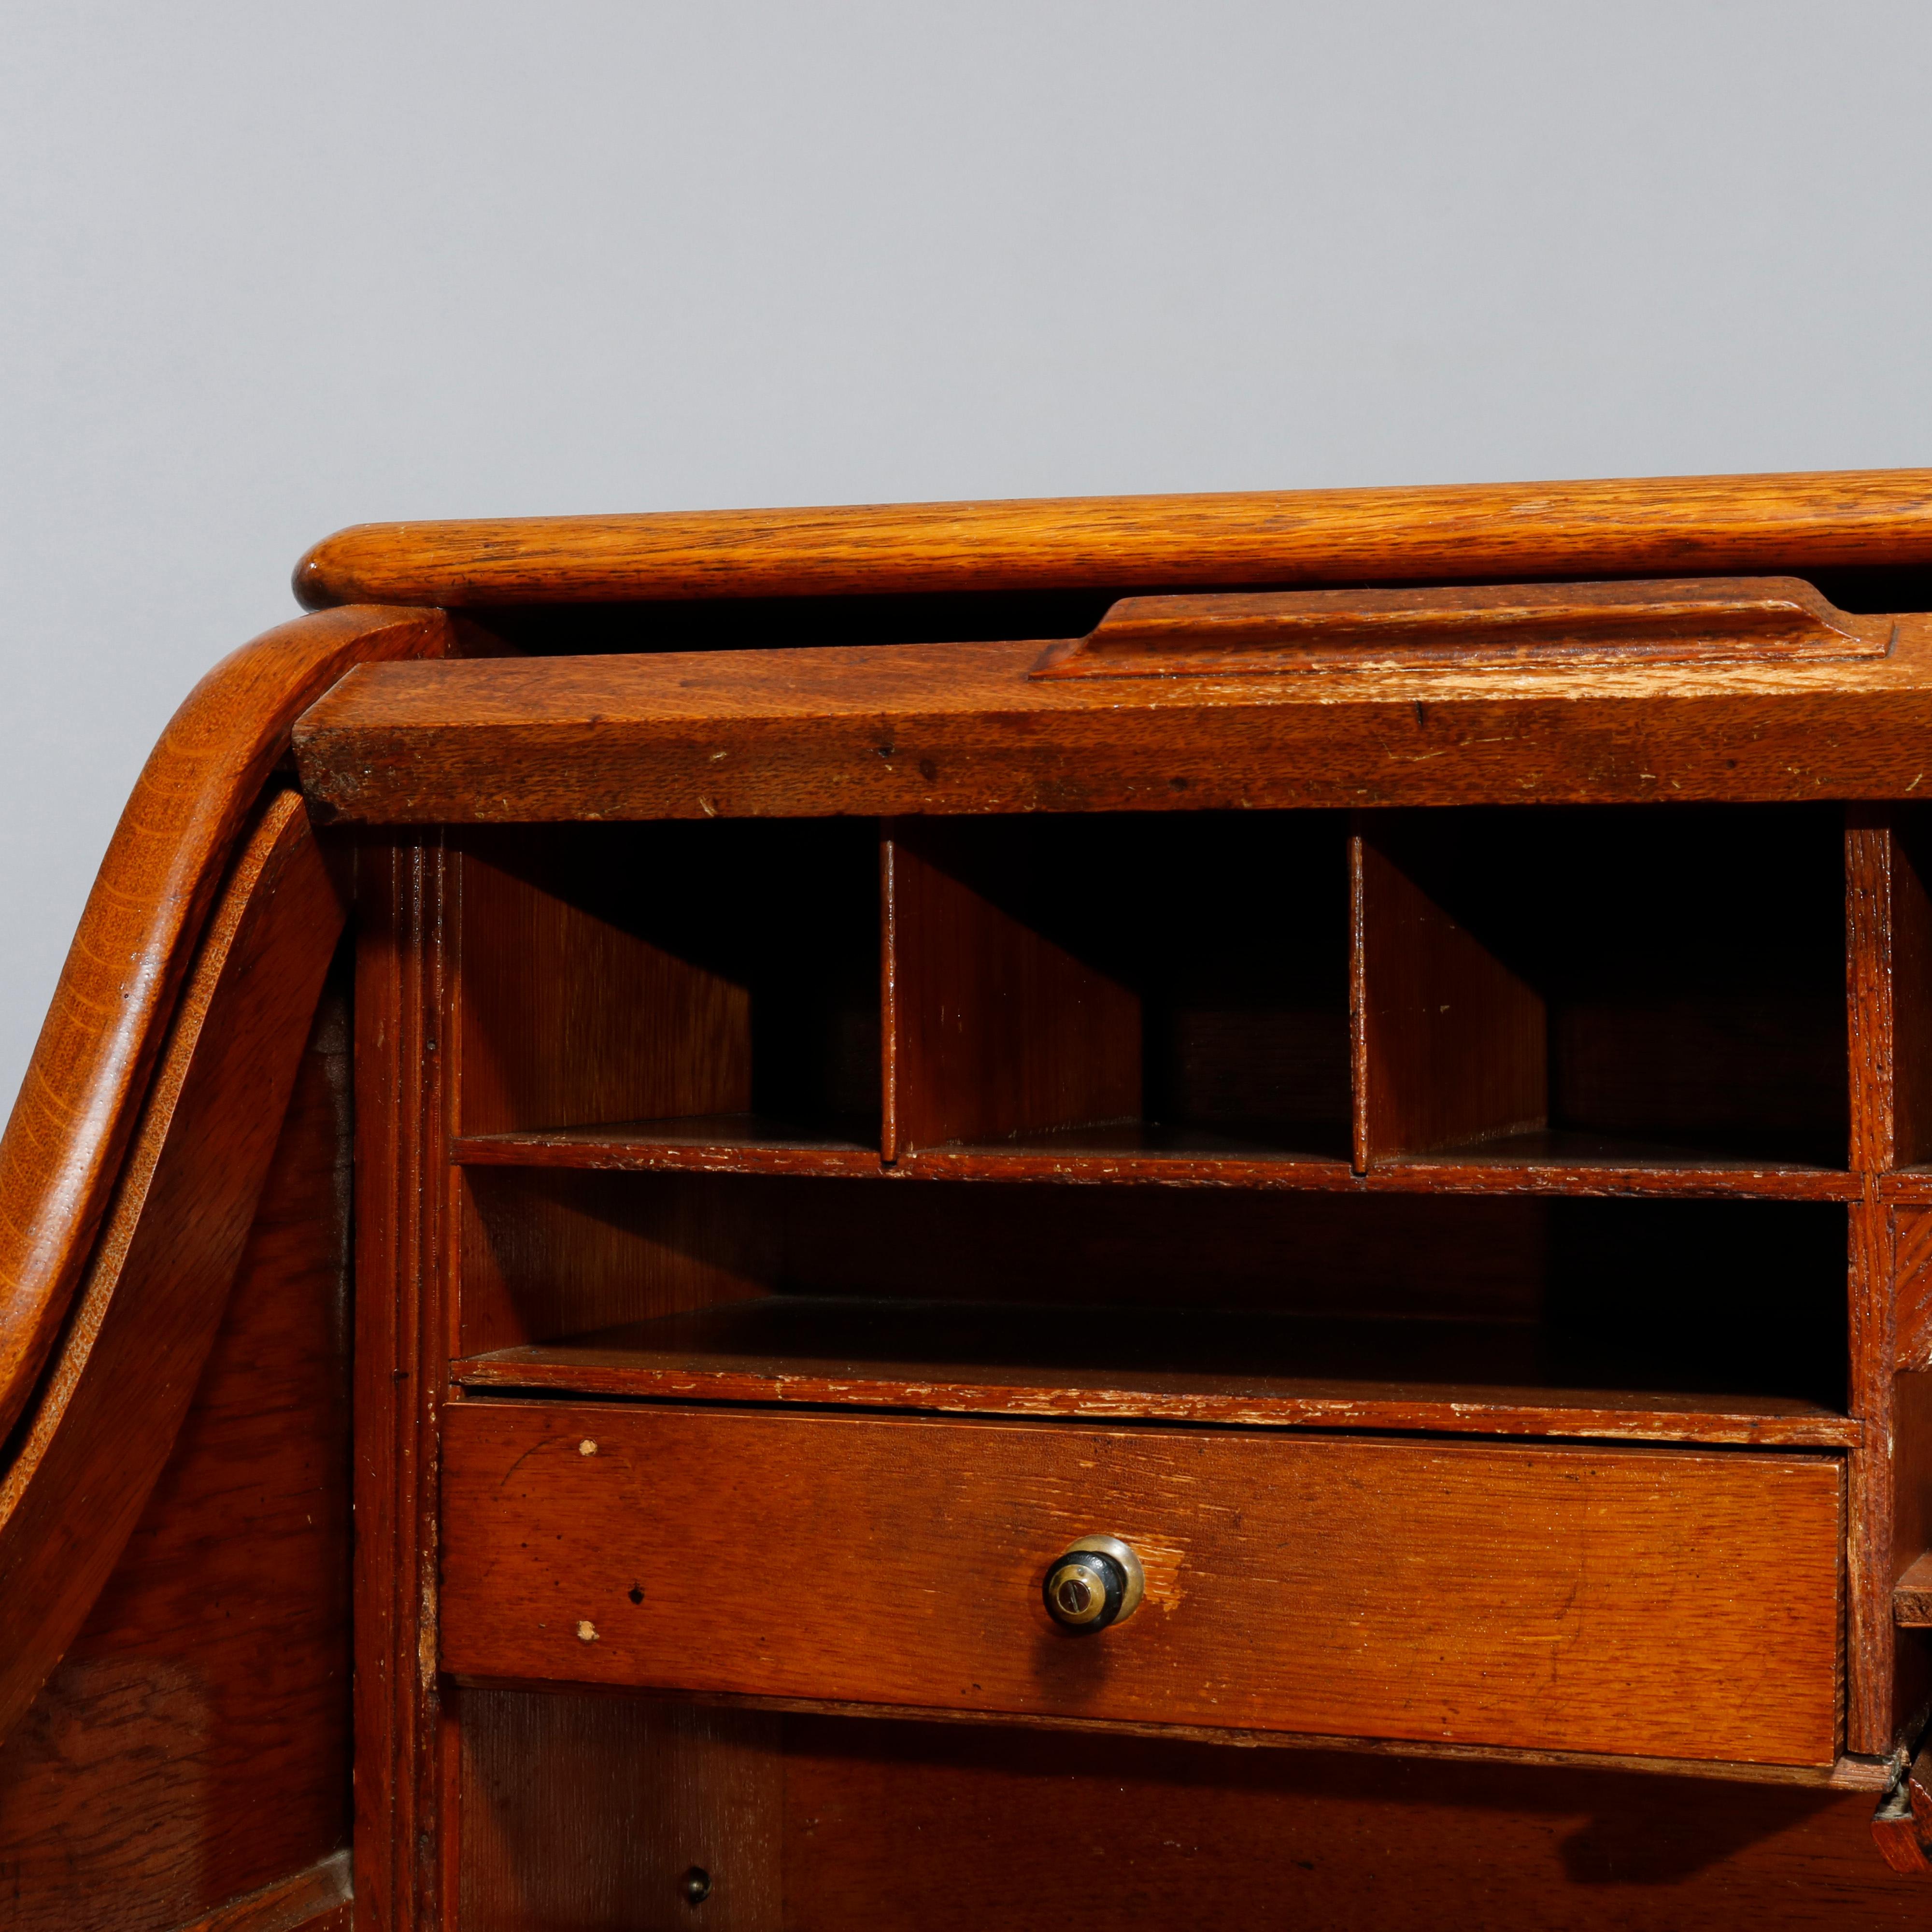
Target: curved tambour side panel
63,1146
1657,526
187,1766
105,1418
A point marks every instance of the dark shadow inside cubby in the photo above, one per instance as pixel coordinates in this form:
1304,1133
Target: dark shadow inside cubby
1678,972
926,1281
717,971
1167,982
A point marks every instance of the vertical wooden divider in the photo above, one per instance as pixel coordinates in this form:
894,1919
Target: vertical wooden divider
1890,969
1447,1045
889,997
992,1030
1889,924
403,1750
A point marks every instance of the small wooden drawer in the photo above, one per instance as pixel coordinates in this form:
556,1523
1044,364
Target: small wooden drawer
1656,1602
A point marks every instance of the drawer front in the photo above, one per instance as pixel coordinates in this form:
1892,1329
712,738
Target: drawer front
1658,1602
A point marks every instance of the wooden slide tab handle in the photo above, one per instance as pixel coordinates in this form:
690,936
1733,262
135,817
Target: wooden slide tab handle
1675,620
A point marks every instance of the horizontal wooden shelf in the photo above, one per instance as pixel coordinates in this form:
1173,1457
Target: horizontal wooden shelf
1246,1156
1158,1365
1570,1161
1557,1163
701,1143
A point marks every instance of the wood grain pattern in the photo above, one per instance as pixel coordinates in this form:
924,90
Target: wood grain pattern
1432,1591
958,728
82,1091
548,1254
1912,1594
192,1744
1911,1468
404,1767
1656,526
968,1827
1912,1341
1572,1163
564,1016
1681,976
678,1143
1684,620
1450,1046
105,1419
1872,1715
1911,1536
316,1899
1889,928
586,1814
1911,997
1119,1364
619,973
997,1030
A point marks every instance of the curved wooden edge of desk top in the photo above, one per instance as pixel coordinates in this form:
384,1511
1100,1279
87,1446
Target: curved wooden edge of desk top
70,1128
1664,525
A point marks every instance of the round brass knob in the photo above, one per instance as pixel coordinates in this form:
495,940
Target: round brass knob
1092,1583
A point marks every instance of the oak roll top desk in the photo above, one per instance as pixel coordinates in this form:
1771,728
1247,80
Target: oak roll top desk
757,1220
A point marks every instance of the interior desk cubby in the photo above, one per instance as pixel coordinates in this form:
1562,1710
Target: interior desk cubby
1126,984
1633,985
919,1163
1692,1321
1547,1123
677,985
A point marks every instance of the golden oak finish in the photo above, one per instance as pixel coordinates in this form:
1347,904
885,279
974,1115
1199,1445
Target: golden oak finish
70,1127
1412,1107
102,1423
1450,1045
405,1746
876,730
1685,620
1654,526
1111,1364
996,1032
1567,1598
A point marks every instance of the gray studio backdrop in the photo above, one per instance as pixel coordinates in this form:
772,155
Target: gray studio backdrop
268,268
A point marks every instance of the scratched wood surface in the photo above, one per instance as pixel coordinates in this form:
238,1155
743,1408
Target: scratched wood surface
405,1744
910,729
1436,1591
1115,1363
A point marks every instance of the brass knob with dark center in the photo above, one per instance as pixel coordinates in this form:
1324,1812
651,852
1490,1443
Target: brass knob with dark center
1094,1583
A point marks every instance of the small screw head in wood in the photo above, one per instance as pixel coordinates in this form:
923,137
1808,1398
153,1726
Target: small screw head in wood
696,1885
